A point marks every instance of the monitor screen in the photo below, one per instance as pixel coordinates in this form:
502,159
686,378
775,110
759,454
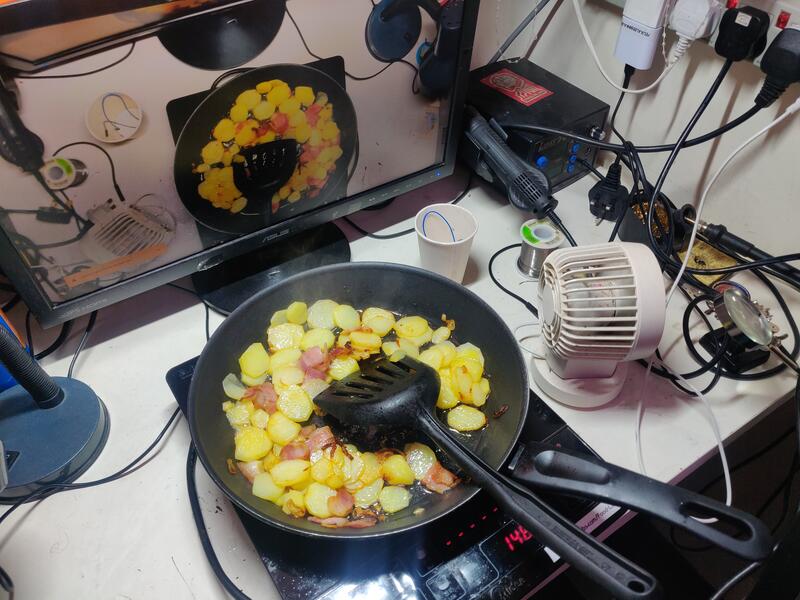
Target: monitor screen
156,167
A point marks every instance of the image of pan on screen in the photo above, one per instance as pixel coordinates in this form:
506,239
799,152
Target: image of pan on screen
296,106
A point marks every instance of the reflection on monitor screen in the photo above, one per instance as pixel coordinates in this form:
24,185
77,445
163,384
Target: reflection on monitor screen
157,160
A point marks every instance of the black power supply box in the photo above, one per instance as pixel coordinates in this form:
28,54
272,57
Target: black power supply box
521,92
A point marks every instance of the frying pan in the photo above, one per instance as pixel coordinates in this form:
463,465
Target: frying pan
196,133
403,289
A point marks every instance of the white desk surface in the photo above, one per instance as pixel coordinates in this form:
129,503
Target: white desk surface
135,539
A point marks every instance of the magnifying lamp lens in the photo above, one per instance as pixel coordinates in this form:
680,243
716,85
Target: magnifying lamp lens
747,318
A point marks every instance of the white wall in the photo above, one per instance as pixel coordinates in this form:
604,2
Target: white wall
757,200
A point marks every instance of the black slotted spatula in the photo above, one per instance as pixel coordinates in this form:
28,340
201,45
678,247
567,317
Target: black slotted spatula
403,394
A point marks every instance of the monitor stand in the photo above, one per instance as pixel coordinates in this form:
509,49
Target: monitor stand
229,284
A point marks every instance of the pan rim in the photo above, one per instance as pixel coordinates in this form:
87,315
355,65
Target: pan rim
352,534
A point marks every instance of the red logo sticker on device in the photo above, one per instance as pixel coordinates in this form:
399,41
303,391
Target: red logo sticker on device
517,87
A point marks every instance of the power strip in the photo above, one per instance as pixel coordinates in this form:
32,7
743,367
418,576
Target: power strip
781,15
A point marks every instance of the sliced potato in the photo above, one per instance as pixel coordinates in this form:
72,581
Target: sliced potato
466,418
265,487
285,358
421,339
322,338
448,350
411,327
361,340
316,500
394,498
290,472
271,459
431,357
279,318
379,320
285,377
259,418
368,495
448,398
282,429
346,317
410,348
287,335
373,469
320,314
293,503
396,471
479,393
251,444
314,387
232,387
469,365
420,458
297,313
252,381
254,361
239,415
342,366
389,348
470,351
295,403
439,335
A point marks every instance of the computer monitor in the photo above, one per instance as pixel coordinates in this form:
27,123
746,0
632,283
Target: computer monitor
169,162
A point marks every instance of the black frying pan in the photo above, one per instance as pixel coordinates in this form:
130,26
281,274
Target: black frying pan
196,133
399,288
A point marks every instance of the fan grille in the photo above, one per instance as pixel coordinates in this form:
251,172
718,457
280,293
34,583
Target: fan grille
596,312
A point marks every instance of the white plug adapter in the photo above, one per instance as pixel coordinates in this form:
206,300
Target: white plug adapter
695,19
640,32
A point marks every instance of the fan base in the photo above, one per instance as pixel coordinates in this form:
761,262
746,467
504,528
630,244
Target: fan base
580,393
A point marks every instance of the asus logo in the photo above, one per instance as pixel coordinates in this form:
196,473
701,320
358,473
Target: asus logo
636,29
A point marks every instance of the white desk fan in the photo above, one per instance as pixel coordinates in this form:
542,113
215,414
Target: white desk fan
599,306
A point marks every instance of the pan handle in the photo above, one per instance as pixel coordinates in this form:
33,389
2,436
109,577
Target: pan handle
623,579
577,474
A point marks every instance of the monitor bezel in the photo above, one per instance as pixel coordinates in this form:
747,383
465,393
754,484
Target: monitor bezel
49,314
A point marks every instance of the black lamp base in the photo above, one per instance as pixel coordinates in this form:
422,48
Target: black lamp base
55,445
394,38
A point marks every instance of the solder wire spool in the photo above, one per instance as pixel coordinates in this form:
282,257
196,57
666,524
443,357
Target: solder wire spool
539,238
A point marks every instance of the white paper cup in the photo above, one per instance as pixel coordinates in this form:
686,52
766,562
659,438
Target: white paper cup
445,233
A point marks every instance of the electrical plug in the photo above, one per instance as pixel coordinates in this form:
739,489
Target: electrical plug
608,196
742,33
781,65
692,20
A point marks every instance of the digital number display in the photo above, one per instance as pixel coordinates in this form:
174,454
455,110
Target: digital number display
517,538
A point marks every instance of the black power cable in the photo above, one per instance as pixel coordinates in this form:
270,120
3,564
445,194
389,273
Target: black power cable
504,289
205,540
82,343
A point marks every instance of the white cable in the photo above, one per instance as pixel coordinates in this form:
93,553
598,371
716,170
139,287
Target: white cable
726,472
680,49
793,108
692,238
527,337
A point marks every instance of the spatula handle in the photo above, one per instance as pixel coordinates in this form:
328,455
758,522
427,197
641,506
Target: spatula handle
566,472
623,579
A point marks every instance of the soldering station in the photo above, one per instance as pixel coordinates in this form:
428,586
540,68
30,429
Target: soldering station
533,399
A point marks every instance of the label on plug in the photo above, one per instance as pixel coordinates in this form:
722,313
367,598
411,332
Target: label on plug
743,19
515,86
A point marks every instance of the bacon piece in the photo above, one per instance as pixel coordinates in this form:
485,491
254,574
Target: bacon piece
314,373
311,358
294,451
339,351
250,469
263,396
320,438
307,430
338,522
341,504
438,479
